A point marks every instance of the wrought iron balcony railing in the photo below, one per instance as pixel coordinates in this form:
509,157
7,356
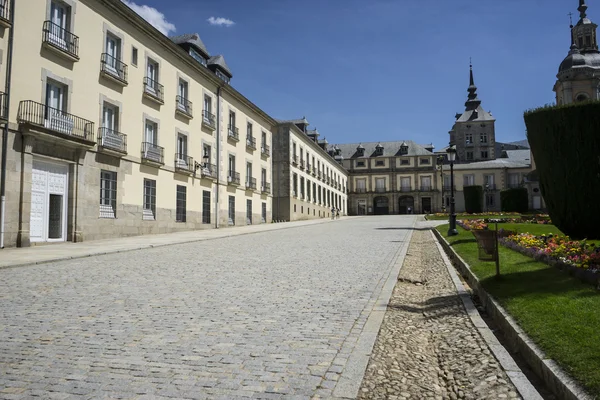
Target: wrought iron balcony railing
265,187
265,150
233,133
251,143
448,188
360,190
112,140
152,153
113,67
405,189
426,188
183,106
57,37
209,171
380,190
154,89
5,12
184,163
233,178
55,120
209,120
3,106
295,159
251,183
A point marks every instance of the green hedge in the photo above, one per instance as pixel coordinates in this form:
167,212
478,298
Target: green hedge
565,142
473,199
514,200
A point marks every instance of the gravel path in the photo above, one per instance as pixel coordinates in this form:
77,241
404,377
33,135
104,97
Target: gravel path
427,347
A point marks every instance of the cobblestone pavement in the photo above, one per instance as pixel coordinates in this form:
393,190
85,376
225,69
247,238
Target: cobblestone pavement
427,347
267,315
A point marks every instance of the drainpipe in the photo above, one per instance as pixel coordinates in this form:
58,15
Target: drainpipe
218,156
5,130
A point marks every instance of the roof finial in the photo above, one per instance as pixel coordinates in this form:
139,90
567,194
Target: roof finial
473,102
582,9
471,81
570,20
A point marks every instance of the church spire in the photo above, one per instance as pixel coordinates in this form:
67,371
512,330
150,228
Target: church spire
582,9
473,102
583,34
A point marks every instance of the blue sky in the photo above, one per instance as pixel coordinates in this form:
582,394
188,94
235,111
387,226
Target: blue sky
379,70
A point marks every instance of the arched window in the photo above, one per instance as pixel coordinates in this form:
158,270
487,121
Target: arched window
581,97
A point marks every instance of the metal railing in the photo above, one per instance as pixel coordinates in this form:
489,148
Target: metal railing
233,177
55,120
489,186
426,188
301,163
209,170
154,89
360,190
251,183
111,139
448,188
405,188
183,105
295,159
314,171
265,150
233,132
152,153
3,106
265,187
183,162
380,190
251,142
5,10
60,38
209,119
114,67
308,167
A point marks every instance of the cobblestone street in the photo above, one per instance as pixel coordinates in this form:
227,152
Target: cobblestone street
427,347
267,315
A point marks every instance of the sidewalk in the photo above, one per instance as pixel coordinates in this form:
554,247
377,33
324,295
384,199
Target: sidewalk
13,257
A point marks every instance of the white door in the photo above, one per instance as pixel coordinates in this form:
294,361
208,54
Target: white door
537,202
58,16
48,218
112,50
55,96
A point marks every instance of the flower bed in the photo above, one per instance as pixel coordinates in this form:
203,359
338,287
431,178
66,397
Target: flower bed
577,257
469,224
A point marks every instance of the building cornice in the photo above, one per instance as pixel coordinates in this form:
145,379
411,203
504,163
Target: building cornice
121,9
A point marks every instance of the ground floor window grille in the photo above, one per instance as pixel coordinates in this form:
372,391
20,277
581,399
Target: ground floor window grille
149,199
180,211
249,212
231,210
108,194
264,212
206,207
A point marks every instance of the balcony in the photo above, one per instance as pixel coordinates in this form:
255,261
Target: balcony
5,13
233,133
209,171
360,190
265,150
489,187
314,171
152,154
183,107
265,187
294,160
233,178
209,120
426,188
308,167
319,175
56,122
184,164
405,189
3,106
250,183
60,40
112,141
301,163
154,90
380,190
113,69
250,143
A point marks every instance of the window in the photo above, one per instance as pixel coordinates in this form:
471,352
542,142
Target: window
151,133
489,181
484,154
483,138
469,155
307,190
206,206
249,130
380,163
263,179
231,210
207,105
152,77
180,208
295,185
113,54
248,212
360,163
468,180
231,165
264,213
424,161
263,140
380,185
149,212
404,161
489,200
182,99
206,153
513,180
248,173
468,138
197,56
56,97
222,76
182,151
110,117
58,30
231,121
301,187
108,194
294,151
134,56
425,183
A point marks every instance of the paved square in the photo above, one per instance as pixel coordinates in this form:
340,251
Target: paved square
263,315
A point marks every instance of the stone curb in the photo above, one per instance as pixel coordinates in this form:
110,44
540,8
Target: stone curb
349,383
561,385
524,387
150,246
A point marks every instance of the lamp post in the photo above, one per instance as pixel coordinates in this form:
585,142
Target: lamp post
485,197
440,164
452,220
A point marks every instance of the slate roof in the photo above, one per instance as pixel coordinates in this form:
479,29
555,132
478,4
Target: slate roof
390,149
493,164
522,143
303,120
523,156
477,115
191,38
219,61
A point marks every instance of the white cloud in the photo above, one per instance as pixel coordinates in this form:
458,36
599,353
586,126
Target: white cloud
153,16
220,21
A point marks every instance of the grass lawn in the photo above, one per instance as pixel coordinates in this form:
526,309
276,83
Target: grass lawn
560,313
432,217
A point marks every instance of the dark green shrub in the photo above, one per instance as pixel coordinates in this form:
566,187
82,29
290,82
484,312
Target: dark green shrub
565,144
514,200
473,199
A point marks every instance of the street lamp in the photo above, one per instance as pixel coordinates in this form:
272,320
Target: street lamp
204,164
485,197
440,164
452,220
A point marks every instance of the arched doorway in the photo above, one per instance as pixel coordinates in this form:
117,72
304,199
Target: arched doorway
406,205
381,205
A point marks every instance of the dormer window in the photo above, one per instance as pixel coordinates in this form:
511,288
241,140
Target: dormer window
197,56
403,149
379,150
360,151
222,76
